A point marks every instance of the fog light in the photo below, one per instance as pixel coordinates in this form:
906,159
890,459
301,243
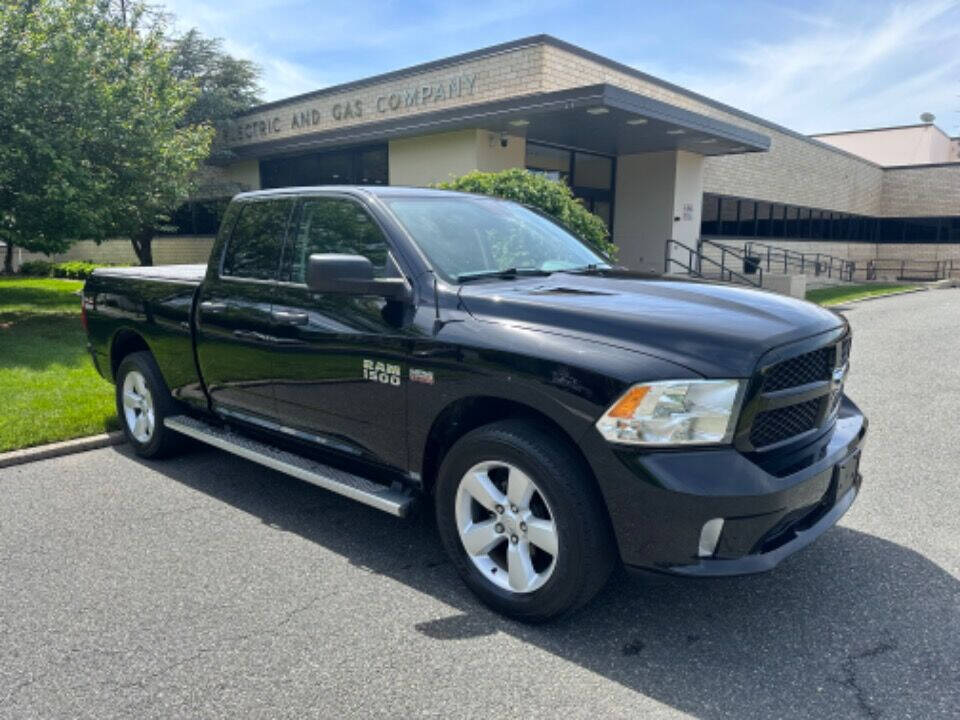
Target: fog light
710,536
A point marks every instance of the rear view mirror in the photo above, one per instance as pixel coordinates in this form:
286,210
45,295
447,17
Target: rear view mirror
351,275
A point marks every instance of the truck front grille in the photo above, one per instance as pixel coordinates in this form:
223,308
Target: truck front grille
807,368
797,395
775,426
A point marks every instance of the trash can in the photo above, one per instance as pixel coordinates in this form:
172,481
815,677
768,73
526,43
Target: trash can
750,264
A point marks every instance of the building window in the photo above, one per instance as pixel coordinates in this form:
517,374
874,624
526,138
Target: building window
777,227
589,176
710,218
747,217
728,216
357,166
592,171
791,227
550,161
763,220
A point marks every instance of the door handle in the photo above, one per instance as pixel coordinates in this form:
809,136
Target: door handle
290,317
213,307
252,335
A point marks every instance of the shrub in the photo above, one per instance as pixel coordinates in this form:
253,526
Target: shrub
75,269
36,268
551,196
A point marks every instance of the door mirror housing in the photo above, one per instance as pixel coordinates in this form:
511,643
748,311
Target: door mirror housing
351,275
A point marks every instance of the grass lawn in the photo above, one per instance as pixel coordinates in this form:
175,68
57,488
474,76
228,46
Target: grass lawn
48,388
840,295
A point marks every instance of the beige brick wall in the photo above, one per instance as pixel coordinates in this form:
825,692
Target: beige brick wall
922,191
179,250
496,76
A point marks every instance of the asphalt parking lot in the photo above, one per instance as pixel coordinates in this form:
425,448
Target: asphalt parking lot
209,587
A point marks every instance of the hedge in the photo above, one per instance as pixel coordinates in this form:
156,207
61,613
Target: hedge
74,270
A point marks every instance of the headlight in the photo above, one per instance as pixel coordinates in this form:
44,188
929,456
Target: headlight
674,412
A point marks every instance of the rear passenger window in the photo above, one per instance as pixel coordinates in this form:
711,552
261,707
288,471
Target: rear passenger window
333,225
253,250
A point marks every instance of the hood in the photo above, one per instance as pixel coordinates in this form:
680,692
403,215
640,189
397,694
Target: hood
715,330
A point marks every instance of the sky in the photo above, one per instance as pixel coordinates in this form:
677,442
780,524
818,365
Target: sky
815,66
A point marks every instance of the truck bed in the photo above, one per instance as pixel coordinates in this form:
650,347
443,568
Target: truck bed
154,304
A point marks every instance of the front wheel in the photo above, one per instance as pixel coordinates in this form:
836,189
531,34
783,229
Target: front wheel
143,401
523,521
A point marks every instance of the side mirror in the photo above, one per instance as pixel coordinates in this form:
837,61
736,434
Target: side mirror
351,275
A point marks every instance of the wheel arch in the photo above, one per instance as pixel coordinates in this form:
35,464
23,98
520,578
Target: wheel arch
123,343
469,413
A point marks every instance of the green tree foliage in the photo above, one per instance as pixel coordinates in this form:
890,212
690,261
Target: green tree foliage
92,135
550,196
225,85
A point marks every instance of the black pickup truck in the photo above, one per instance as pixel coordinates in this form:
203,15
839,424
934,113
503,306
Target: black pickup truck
563,415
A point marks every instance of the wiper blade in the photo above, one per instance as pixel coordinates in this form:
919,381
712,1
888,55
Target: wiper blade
591,269
505,274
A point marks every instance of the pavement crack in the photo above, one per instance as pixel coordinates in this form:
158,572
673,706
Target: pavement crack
849,669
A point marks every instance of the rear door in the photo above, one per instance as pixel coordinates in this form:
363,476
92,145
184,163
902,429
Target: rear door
342,368
234,321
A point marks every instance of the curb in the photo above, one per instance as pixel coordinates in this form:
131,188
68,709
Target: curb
67,447
876,297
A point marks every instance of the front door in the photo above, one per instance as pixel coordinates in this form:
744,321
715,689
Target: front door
235,348
342,359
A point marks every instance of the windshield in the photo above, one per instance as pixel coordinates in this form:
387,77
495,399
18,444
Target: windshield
475,236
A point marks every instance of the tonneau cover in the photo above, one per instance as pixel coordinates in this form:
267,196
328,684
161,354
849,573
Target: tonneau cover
177,273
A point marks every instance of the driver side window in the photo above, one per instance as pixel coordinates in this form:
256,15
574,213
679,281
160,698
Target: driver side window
333,225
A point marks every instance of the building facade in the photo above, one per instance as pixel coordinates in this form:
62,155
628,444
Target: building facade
654,160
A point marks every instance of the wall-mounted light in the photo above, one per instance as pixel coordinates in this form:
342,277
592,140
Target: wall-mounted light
637,121
676,131
519,123
598,110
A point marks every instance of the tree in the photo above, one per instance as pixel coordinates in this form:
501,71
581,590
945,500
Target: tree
223,86
91,135
49,190
159,149
550,196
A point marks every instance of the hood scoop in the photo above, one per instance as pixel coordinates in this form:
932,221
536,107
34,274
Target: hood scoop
567,291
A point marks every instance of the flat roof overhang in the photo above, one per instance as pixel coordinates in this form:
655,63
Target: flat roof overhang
597,118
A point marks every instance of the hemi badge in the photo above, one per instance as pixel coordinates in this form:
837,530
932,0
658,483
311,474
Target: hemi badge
421,376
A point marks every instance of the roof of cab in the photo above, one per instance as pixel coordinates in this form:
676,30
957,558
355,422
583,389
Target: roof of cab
370,190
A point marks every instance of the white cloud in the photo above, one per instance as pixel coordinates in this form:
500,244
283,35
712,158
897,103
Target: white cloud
850,72
246,34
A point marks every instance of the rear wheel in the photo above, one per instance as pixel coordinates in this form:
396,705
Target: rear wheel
523,521
143,402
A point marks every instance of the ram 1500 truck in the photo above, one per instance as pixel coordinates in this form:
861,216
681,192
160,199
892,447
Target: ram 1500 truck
561,415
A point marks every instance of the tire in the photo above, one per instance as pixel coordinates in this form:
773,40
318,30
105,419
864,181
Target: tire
143,402
511,567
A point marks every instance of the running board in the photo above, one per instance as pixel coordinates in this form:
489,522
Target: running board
352,486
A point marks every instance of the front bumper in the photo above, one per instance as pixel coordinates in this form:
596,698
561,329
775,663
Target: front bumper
660,501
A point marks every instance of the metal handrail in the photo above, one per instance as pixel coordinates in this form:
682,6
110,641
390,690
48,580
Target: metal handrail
911,269
696,268
818,262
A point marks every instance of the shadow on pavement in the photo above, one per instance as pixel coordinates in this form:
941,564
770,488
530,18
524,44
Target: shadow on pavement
854,626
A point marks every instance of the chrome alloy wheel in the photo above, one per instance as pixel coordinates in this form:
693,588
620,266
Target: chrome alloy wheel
506,526
138,407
